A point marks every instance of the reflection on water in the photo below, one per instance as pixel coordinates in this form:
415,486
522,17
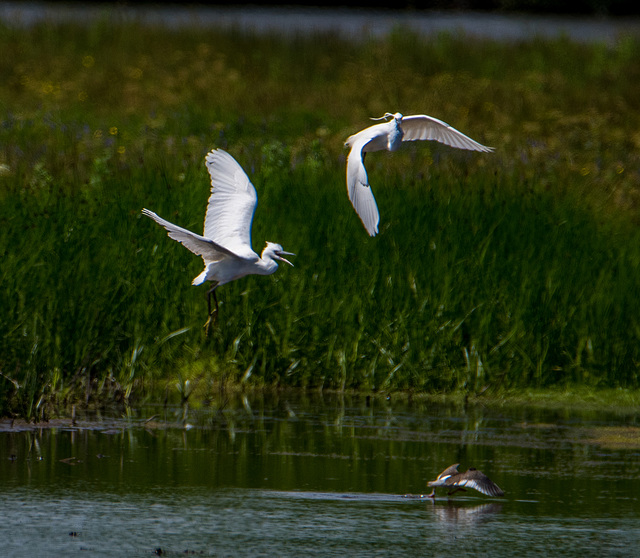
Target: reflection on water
315,477
465,516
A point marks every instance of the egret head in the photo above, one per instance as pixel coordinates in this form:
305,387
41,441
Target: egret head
397,116
276,252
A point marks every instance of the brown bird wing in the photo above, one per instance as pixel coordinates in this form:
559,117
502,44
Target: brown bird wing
449,471
478,481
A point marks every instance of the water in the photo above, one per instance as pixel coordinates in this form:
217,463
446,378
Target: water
351,23
325,476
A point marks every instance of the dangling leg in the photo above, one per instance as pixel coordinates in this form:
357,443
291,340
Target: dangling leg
432,495
212,291
213,316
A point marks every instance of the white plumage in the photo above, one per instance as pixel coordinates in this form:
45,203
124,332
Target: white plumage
389,135
225,246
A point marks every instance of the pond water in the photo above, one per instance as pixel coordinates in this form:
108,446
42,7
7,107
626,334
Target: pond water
346,22
321,476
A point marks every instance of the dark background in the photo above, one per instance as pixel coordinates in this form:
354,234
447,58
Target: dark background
575,7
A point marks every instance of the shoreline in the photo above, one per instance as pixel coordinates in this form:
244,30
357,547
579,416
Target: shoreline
235,396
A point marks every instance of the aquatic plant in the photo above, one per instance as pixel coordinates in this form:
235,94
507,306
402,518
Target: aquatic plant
514,270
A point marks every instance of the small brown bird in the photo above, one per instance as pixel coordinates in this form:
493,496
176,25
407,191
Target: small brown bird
453,480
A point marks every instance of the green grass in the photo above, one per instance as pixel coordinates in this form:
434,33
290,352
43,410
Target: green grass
515,270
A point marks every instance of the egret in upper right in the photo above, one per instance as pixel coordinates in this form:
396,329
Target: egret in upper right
225,245
389,135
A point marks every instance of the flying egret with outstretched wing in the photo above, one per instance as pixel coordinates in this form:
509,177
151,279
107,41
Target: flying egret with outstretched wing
390,135
225,245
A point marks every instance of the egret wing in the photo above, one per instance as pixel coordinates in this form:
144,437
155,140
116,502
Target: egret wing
358,187
205,247
373,138
423,127
232,204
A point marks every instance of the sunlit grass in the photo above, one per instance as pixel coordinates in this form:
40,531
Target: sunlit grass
518,269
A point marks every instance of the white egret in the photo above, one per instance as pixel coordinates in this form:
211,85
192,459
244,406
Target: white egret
390,135
225,245
472,478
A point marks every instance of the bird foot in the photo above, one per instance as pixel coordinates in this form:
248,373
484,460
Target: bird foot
213,318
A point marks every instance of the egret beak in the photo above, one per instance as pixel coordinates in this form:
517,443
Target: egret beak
386,115
279,255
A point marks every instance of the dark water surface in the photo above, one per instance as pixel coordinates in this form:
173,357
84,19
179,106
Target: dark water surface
325,476
357,24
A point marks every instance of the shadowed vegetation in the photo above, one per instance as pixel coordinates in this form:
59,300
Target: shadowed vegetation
518,269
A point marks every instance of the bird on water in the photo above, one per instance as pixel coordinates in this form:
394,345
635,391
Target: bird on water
225,245
389,135
455,481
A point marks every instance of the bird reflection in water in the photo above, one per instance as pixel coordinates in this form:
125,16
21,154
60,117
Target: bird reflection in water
461,513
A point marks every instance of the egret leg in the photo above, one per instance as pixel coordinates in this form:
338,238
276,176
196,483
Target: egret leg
213,315
432,495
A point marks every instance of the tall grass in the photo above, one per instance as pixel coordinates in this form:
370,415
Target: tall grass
517,269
